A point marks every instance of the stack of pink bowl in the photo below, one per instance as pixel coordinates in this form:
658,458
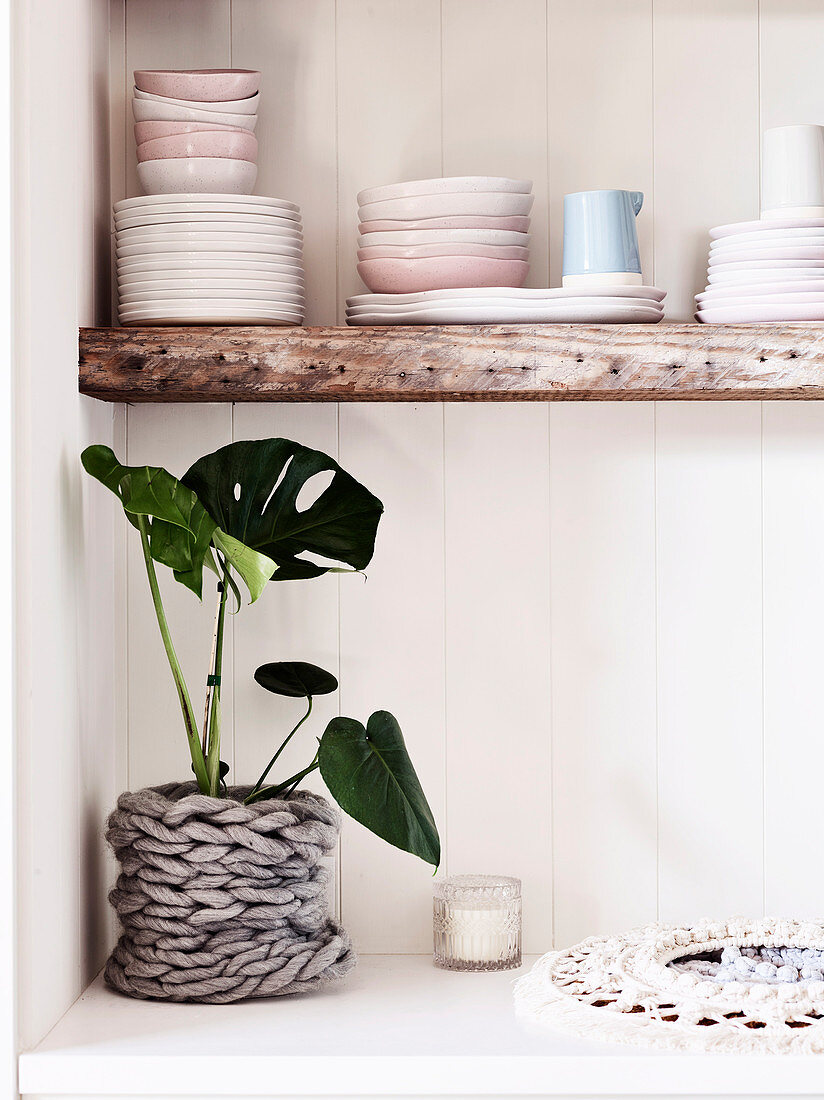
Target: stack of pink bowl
442,234
194,130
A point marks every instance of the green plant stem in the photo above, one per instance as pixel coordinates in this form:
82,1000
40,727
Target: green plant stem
274,759
213,747
285,788
189,720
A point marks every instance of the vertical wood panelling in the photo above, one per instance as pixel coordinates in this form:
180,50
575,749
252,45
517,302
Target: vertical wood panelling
391,638
495,116
790,48
389,108
497,651
793,654
603,667
706,135
297,132
708,503
186,34
600,110
172,436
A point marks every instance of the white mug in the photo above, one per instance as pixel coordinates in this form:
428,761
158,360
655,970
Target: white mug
792,172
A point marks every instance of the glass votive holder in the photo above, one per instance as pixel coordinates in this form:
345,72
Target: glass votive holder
477,922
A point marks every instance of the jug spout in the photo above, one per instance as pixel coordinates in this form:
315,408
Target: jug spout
637,199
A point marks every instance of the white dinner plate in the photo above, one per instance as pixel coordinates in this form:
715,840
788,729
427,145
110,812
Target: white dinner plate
767,275
201,263
765,265
182,201
141,296
443,185
504,292
590,313
493,303
215,313
488,204
745,255
208,248
708,300
768,237
741,290
752,314
150,281
204,232
260,218
764,225
445,236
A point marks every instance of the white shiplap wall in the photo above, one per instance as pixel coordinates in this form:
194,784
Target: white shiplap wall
598,625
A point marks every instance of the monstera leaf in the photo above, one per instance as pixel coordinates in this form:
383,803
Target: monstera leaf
295,679
180,529
370,776
250,489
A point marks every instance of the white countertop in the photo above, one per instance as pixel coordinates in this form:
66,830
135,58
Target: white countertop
396,1026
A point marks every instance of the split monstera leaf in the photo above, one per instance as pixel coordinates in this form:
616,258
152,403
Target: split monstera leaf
255,511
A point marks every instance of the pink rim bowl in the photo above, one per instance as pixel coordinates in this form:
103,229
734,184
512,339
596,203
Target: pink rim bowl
149,131
209,143
205,85
427,251
517,223
386,276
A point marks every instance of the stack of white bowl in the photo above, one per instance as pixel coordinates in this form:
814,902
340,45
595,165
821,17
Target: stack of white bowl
773,269
194,130
456,233
209,259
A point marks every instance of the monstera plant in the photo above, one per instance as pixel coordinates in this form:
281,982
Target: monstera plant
237,515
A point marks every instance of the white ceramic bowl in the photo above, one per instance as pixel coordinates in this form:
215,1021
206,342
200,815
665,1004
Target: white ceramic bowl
203,201
488,204
193,174
200,264
494,252
150,110
222,218
168,294
150,131
516,223
439,273
204,85
195,231
444,236
247,106
234,144
443,185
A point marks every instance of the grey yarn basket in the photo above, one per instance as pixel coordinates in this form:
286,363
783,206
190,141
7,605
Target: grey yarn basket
219,901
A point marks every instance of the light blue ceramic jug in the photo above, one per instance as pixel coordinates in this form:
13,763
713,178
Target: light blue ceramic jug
599,232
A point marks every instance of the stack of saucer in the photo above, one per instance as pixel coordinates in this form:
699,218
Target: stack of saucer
765,271
501,305
443,234
209,259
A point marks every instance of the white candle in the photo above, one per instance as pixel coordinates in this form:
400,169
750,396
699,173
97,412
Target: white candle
477,923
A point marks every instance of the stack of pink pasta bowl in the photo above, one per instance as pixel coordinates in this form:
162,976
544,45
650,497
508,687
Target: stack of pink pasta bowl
442,234
194,130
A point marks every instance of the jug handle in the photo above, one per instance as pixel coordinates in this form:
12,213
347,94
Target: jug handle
637,200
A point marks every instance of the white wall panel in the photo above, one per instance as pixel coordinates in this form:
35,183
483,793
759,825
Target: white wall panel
705,136
710,767
497,651
602,496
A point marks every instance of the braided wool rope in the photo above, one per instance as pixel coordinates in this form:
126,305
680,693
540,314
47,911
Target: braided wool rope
220,901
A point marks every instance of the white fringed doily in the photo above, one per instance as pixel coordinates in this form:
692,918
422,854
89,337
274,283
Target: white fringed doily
621,988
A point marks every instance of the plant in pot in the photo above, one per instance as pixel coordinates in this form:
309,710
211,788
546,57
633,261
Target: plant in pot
221,893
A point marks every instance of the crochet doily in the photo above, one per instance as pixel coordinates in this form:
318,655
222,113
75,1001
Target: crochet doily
623,988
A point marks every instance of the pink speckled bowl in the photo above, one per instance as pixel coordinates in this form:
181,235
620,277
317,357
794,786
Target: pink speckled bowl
516,223
206,85
209,143
148,131
429,251
386,276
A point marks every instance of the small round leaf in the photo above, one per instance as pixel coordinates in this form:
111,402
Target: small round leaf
297,679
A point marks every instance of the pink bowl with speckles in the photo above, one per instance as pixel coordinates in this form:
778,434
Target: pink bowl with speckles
206,85
241,145
386,276
148,131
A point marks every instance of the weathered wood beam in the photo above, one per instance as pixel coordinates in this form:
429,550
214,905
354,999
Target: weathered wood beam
455,363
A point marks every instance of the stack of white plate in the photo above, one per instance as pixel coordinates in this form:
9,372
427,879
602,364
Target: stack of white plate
768,270
505,305
439,234
209,259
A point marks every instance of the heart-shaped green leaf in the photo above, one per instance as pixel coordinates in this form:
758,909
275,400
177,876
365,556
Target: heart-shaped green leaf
370,776
251,488
181,529
296,679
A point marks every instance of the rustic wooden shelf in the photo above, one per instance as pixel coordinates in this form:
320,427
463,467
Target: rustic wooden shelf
455,363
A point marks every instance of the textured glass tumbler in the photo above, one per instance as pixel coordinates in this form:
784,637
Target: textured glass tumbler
477,922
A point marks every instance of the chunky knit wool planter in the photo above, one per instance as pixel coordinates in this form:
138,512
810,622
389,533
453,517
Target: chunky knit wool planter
219,901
